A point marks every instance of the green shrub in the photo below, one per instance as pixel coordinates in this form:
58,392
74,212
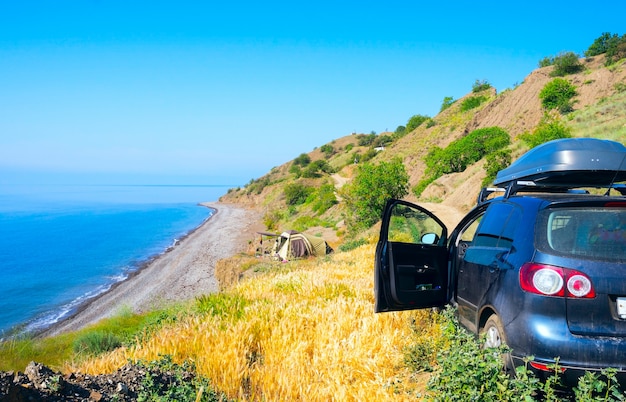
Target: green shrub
167,381
352,244
480,85
612,45
447,102
415,121
302,160
565,64
547,130
328,150
472,102
316,169
494,162
365,140
465,151
557,94
324,198
96,343
297,193
400,131
367,194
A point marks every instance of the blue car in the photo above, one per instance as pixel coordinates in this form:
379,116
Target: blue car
539,264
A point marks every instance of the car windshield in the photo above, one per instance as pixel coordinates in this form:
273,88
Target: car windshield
598,233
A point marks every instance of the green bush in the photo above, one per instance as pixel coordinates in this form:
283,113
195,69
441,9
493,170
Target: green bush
447,102
612,45
297,193
415,121
367,194
352,244
466,371
480,85
557,94
302,160
472,102
494,162
548,129
316,169
96,343
324,198
365,140
167,381
565,64
400,131
465,151
328,150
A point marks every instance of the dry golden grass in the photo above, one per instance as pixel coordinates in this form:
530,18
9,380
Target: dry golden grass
308,333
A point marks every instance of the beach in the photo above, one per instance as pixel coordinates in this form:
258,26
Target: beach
184,271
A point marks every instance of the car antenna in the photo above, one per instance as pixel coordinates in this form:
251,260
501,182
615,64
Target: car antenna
608,190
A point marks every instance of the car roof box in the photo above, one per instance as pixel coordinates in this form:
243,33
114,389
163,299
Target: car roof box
569,162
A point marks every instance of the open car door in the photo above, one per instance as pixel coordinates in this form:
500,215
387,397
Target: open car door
411,267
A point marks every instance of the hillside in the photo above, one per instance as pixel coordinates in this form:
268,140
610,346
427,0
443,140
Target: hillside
599,110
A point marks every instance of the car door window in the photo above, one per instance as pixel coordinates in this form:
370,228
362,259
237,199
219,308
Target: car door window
409,225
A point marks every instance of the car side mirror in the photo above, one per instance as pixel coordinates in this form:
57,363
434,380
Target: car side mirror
429,238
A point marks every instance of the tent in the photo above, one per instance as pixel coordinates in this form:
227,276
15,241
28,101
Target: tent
292,244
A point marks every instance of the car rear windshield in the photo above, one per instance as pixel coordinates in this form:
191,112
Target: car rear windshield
598,233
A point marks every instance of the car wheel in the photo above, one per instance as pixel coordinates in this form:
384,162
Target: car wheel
493,334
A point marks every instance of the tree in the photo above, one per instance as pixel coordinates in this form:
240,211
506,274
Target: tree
565,64
370,189
447,102
415,121
296,193
302,160
602,44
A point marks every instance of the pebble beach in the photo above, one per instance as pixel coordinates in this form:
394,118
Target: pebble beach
185,271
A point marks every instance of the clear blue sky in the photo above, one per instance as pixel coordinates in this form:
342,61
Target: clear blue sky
207,92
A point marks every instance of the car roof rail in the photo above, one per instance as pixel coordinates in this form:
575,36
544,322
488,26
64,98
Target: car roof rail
485,192
518,186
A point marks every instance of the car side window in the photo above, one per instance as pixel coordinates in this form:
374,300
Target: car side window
409,225
496,229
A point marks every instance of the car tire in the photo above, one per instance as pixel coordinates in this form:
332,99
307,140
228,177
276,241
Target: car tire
494,336
493,332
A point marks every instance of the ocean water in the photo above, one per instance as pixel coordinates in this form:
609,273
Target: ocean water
61,245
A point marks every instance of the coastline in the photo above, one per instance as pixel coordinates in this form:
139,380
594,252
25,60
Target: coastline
183,271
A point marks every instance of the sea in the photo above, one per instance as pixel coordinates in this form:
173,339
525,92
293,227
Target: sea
62,245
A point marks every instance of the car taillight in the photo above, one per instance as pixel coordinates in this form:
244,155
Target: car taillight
549,280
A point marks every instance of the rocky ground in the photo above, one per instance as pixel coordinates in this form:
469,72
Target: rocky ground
39,383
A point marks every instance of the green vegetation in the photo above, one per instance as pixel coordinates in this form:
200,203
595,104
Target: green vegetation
415,121
446,103
461,153
302,160
181,383
328,150
494,162
464,370
548,129
472,102
612,45
558,94
480,85
297,193
125,328
323,198
96,343
372,186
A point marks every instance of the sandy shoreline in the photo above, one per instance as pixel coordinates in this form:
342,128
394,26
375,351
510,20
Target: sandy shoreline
185,271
